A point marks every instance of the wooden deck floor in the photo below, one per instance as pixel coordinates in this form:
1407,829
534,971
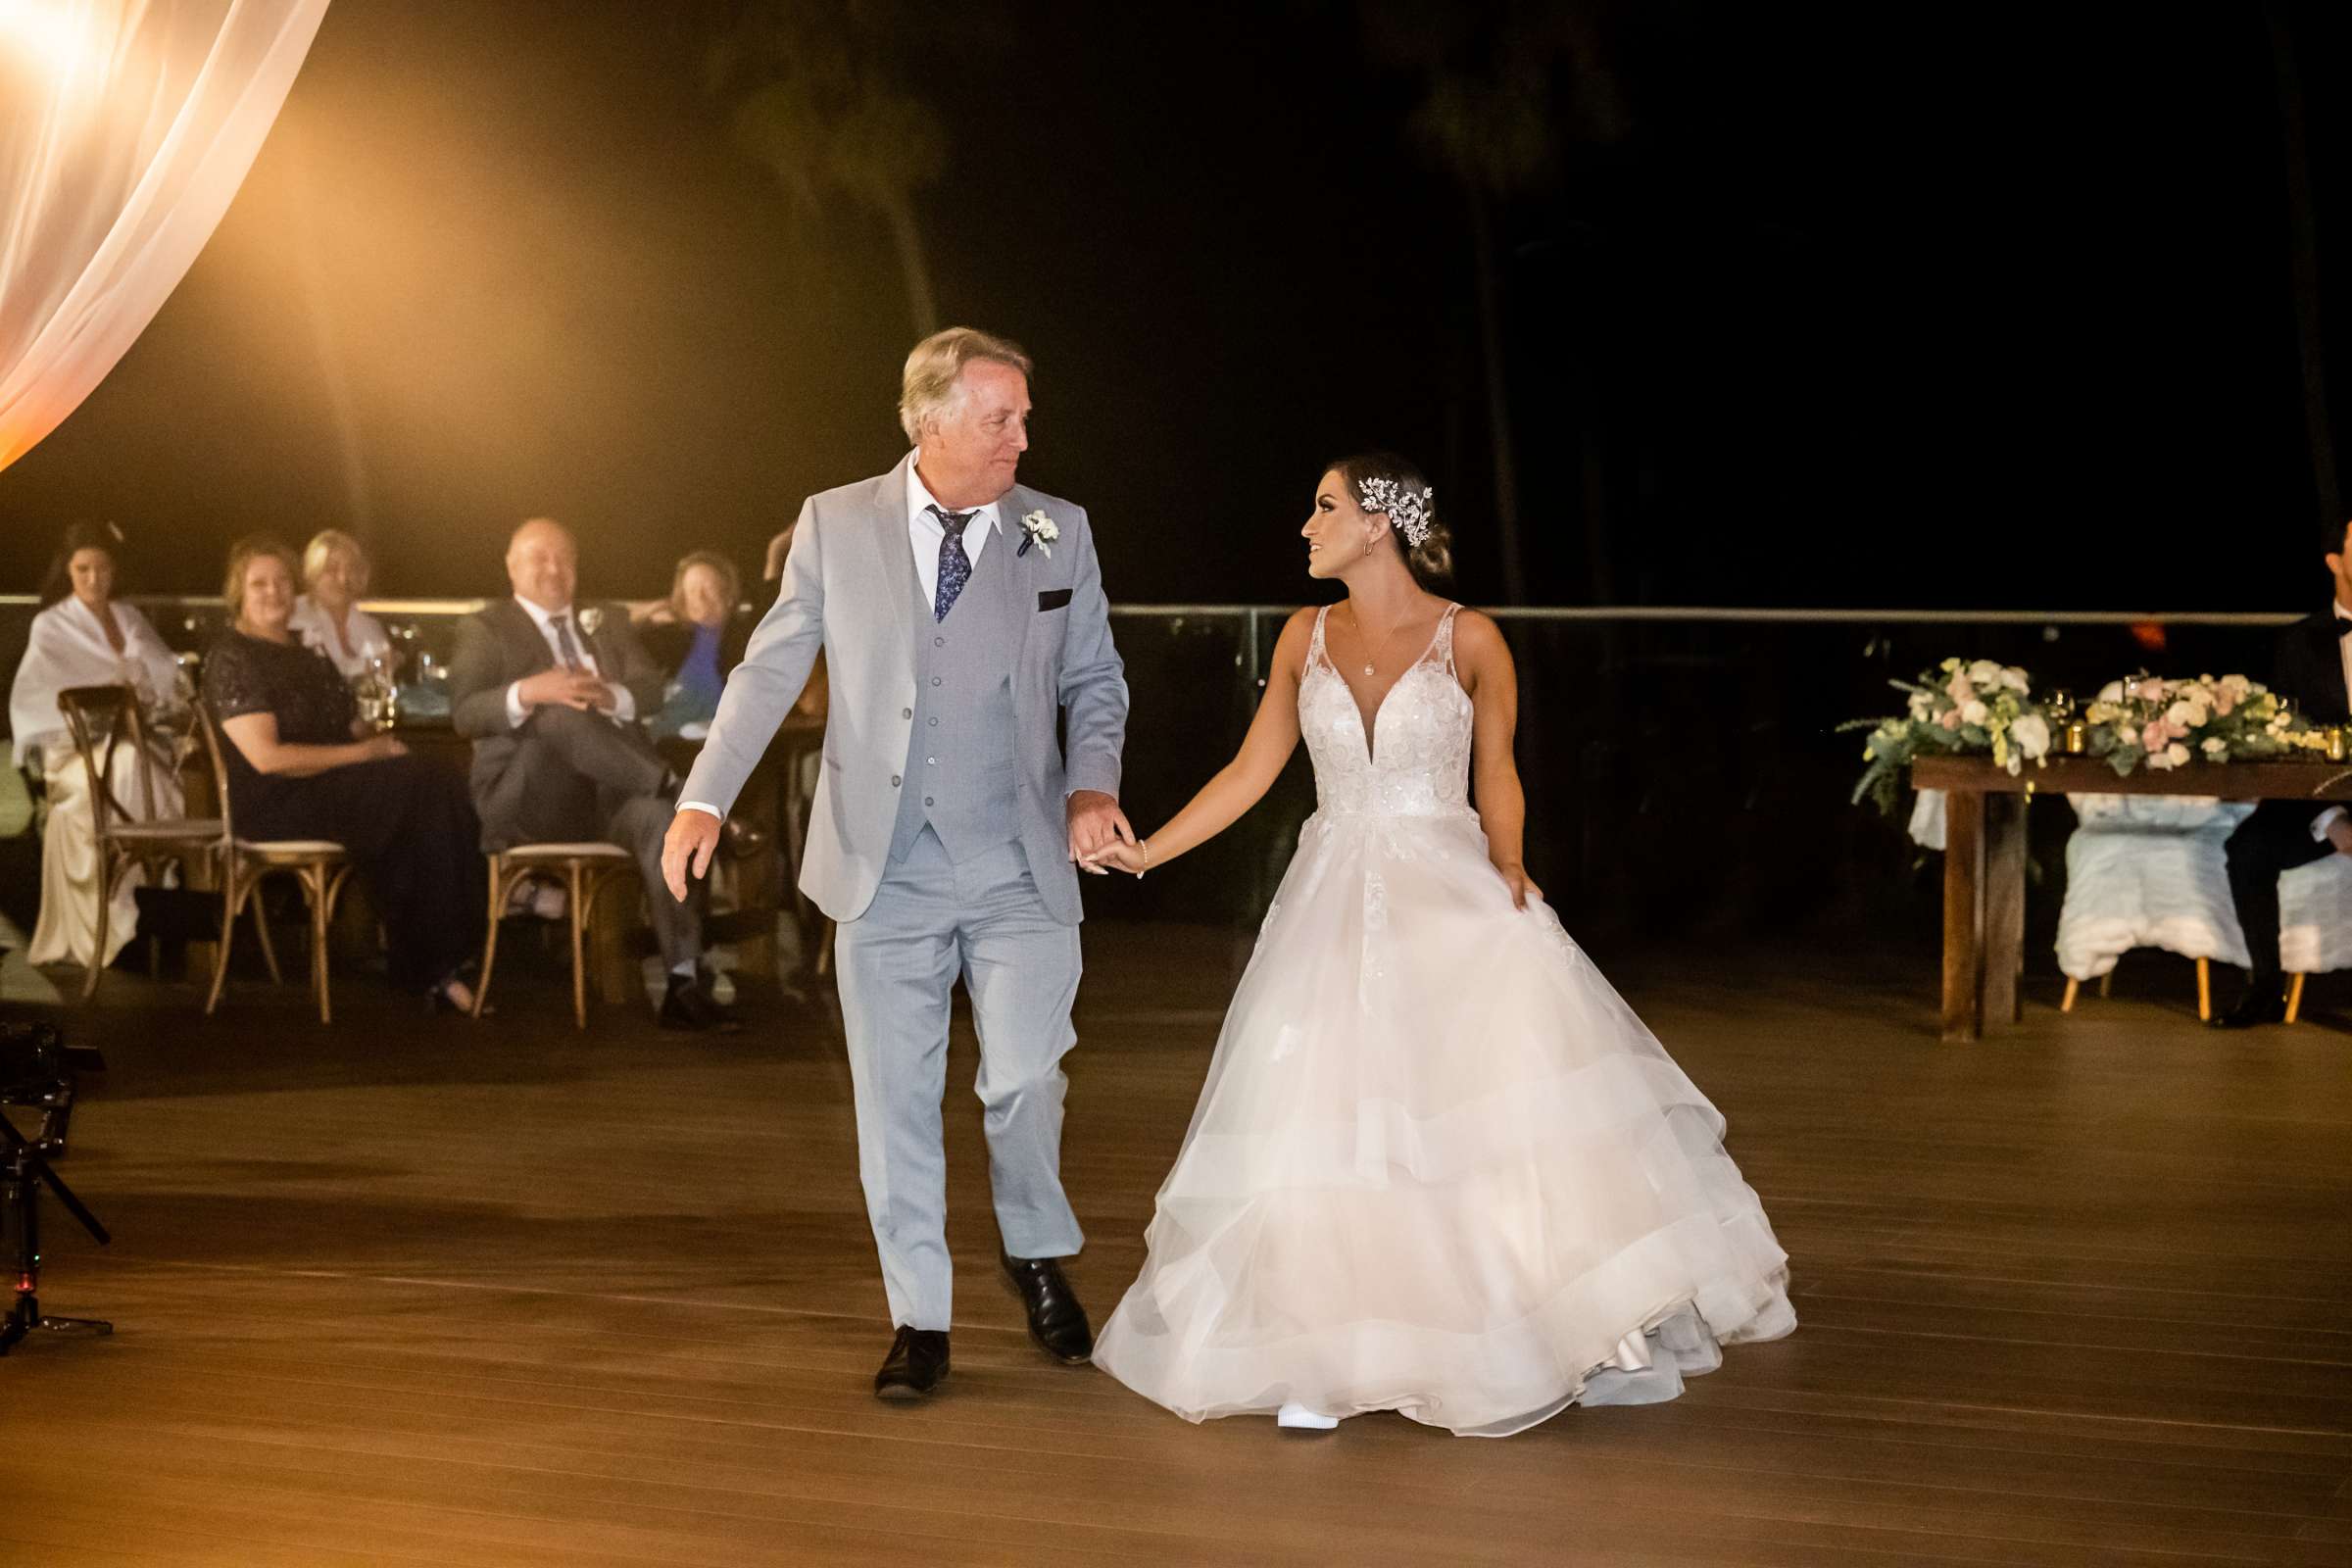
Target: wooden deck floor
411,1292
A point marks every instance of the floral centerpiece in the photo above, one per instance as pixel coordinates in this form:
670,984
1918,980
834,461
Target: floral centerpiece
2147,720
1957,708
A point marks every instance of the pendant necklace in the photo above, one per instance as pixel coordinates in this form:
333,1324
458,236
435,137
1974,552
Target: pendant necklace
1373,658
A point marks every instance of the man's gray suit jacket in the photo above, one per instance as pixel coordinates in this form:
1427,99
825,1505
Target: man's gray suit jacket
849,588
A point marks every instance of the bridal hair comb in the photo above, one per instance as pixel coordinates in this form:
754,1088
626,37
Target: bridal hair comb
1408,509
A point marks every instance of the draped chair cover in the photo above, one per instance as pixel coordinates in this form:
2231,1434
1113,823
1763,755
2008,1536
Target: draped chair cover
2148,871
125,128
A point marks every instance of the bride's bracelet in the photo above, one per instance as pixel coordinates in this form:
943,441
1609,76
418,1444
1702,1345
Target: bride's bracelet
1145,844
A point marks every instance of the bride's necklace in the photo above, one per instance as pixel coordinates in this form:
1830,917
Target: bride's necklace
1373,658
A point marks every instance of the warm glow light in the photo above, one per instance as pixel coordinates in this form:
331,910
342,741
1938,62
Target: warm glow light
53,32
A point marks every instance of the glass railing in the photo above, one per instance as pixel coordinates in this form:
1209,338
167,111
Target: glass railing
1683,768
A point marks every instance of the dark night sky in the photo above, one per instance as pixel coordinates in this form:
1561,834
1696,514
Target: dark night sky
1865,308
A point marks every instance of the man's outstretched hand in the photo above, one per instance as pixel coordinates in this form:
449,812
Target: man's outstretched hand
687,848
1096,823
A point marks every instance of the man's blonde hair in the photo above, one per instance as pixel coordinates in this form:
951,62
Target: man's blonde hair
931,388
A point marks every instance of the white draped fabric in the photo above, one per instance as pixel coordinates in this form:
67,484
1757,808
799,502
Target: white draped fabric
125,128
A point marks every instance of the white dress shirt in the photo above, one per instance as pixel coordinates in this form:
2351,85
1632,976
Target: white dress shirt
925,533
625,702
313,628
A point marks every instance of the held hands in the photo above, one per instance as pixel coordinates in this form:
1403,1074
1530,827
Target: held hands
1095,824
1134,858
1514,876
692,839
564,687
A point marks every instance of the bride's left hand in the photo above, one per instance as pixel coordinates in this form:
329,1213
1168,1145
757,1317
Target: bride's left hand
1127,857
1515,877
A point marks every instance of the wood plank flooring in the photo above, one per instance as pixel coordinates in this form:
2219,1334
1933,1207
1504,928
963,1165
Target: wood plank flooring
406,1292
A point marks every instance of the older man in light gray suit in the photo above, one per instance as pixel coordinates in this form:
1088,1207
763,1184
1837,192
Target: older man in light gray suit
960,616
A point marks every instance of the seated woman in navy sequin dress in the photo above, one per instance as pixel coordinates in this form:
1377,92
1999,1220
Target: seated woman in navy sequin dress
301,765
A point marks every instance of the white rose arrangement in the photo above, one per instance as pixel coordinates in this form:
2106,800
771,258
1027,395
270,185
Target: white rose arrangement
1957,708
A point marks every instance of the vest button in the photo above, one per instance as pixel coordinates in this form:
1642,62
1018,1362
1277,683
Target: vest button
939,642
928,800
893,781
908,712
935,724
935,680
930,762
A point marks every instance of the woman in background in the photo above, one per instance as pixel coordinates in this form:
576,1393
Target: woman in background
1438,1166
697,638
84,637
301,765
335,572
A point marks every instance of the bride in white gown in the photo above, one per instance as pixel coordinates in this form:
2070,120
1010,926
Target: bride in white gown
1438,1166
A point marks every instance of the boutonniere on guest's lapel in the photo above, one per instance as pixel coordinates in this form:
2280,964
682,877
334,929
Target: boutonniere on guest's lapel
591,618
1037,530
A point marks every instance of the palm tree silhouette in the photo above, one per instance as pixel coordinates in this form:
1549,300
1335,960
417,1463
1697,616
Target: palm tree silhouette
815,98
1503,89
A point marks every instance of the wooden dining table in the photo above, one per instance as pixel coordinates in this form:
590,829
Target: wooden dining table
1984,853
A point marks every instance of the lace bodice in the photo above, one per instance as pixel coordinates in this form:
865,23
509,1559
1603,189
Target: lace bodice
1416,761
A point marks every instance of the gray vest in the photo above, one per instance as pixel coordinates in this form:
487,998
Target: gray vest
960,775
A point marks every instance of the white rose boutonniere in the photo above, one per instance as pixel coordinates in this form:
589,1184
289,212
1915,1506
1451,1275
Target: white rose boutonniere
591,618
1040,530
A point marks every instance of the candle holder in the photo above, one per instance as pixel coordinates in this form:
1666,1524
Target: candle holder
2078,737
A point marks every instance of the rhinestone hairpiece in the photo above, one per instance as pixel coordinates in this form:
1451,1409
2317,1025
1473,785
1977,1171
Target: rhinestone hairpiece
1406,509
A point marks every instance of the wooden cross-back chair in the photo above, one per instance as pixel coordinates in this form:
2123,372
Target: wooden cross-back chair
110,732
319,866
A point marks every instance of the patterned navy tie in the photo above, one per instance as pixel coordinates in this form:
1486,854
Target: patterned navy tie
955,566
570,648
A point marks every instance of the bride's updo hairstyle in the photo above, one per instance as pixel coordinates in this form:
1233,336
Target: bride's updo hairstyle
1369,475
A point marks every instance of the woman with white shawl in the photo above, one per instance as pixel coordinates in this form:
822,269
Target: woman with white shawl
84,637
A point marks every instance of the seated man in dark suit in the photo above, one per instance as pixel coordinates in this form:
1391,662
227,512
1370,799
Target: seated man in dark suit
551,700
2312,665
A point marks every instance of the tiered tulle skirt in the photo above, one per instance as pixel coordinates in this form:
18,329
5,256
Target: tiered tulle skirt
1439,1167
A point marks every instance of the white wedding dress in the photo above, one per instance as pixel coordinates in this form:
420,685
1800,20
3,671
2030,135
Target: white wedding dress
1438,1166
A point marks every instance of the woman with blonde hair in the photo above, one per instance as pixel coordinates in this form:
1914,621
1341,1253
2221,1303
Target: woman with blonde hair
84,636
335,573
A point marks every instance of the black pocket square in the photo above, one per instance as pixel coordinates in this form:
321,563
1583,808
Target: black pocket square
1052,598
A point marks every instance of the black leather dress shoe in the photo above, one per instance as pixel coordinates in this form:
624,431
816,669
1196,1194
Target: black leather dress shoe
917,1364
2259,1005
1057,1322
687,1005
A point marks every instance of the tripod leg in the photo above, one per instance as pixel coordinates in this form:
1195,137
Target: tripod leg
19,1193
19,1190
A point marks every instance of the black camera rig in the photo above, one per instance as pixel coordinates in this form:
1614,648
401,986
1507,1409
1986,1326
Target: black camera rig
38,1071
